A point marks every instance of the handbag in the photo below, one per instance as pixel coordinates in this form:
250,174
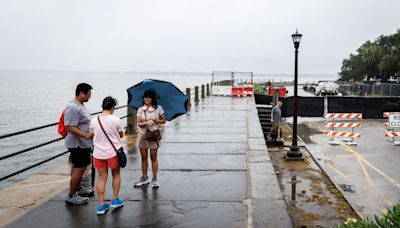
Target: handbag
120,153
152,135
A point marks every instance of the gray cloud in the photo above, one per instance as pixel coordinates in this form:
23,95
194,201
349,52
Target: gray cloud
188,35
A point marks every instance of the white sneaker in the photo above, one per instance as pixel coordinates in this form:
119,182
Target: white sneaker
154,183
85,192
142,181
76,199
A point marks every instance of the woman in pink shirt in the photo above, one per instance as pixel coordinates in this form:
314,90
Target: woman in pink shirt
104,154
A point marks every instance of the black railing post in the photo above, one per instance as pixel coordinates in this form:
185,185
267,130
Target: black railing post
188,94
131,121
196,94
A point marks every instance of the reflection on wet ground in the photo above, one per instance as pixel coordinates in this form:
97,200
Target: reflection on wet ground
311,198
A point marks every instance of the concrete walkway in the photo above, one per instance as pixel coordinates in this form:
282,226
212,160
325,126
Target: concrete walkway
215,171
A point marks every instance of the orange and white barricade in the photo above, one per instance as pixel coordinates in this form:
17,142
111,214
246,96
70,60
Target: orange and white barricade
392,126
386,114
221,90
248,90
342,134
237,91
348,136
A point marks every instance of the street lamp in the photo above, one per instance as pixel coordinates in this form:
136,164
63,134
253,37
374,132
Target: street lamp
294,149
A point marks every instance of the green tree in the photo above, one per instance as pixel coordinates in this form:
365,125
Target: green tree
374,60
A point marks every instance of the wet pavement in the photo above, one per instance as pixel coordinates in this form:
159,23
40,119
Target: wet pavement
311,198
214,171
370,171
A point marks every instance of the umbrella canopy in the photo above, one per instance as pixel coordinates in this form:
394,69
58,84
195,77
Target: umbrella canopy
173,101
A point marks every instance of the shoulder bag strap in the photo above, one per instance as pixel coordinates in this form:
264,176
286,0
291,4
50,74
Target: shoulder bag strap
145,117
98,117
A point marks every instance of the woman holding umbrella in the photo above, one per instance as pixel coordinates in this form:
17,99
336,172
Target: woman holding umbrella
149,116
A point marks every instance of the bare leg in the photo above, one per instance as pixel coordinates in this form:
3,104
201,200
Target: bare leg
101,184
154,161
145,165
76,178
271,129
116,182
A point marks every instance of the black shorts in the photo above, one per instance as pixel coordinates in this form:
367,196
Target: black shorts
80,158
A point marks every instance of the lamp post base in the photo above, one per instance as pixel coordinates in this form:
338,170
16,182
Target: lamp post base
294,153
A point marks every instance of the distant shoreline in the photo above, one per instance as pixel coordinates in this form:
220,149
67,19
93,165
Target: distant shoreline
158,72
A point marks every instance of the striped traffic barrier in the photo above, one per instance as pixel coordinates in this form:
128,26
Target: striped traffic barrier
221,91
334,124
392,130
386,114
342,134
237,91
248,90
343,116
392,134
349,136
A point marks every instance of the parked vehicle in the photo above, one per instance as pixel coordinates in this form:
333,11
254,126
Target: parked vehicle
310,87
326,88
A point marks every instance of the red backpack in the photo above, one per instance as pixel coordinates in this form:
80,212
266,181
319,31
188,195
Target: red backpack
61,128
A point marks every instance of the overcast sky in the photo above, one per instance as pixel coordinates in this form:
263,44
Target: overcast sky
188,35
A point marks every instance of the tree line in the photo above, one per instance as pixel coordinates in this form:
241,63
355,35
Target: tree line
374,60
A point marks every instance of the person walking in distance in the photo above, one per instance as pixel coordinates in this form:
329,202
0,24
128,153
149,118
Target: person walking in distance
78,141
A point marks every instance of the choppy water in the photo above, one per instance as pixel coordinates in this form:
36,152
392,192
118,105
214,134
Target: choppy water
31,99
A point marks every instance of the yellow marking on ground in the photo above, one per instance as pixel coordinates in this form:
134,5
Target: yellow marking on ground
391,180
357,155
345,156
345,148
366,174
337,171
383,129
320,128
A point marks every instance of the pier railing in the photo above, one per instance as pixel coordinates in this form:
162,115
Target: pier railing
194,94
37,146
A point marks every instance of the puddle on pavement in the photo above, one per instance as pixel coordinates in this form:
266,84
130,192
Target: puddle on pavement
311,198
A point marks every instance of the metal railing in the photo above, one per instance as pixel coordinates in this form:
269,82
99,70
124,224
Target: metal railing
363,89
38,146
194,94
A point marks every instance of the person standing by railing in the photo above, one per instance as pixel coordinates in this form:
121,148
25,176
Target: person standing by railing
78,141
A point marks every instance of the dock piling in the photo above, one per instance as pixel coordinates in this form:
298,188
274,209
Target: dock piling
196,94
131,121
188,94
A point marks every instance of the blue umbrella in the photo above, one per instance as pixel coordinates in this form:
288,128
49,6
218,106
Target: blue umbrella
173,101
